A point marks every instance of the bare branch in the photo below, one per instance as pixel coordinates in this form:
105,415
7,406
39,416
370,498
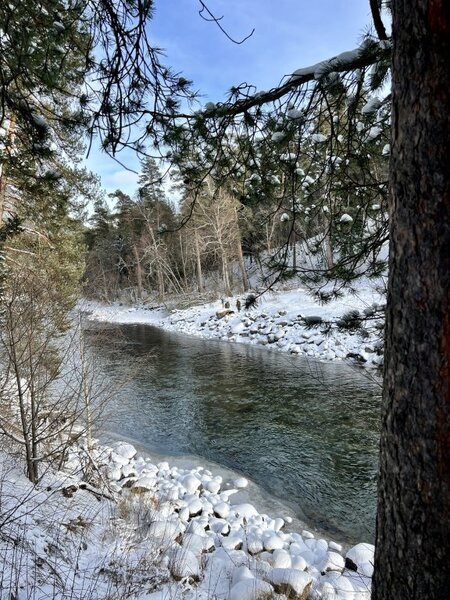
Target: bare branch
377,21
210,17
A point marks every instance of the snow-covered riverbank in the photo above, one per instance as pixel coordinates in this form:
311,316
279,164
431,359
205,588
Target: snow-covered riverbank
290,321
155,531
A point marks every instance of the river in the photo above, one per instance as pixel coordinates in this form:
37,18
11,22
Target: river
305,431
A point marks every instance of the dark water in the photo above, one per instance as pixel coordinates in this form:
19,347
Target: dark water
305,431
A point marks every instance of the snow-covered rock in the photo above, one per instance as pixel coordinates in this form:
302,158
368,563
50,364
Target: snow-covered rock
251,589
291,582
183,563
240,483
361,554
144,484
125,450
273,542
164,531
244,510
222,510
191,483
332,562
281,559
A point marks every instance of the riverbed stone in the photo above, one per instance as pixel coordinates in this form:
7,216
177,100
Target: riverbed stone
332,562
273,542
359,555
222,510
125,450
245,510
251,589
190,483
183,563
281,559
144,484
212,486
164,531
291,582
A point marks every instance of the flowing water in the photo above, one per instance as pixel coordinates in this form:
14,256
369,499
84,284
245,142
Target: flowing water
305,431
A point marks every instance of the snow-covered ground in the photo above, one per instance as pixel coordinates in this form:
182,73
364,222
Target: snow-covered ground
117,525
290,321
153,531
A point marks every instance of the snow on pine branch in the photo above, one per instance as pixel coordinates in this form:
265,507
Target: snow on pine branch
365,55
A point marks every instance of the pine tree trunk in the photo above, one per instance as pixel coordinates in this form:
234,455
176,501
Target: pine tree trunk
413,522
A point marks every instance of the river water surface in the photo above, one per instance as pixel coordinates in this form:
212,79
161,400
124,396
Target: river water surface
305,431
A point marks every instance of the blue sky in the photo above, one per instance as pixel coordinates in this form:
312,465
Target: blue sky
289,34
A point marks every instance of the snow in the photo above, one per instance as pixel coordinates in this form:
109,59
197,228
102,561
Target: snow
278,137
320,69
285,321
251,589
290,580
295,114
289,157
105,539
319,138
371,106
374,132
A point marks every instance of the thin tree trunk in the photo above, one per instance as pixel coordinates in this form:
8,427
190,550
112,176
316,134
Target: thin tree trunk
199,264
85,388
294,249
240,255
413,522
10,135
329,248
183,260
31,474
241,262
225,273
268,246
34,433
138,271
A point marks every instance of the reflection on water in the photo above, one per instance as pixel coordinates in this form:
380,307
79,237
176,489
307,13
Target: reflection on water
305,431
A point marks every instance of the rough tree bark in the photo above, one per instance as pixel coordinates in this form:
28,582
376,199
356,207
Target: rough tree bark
413,523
